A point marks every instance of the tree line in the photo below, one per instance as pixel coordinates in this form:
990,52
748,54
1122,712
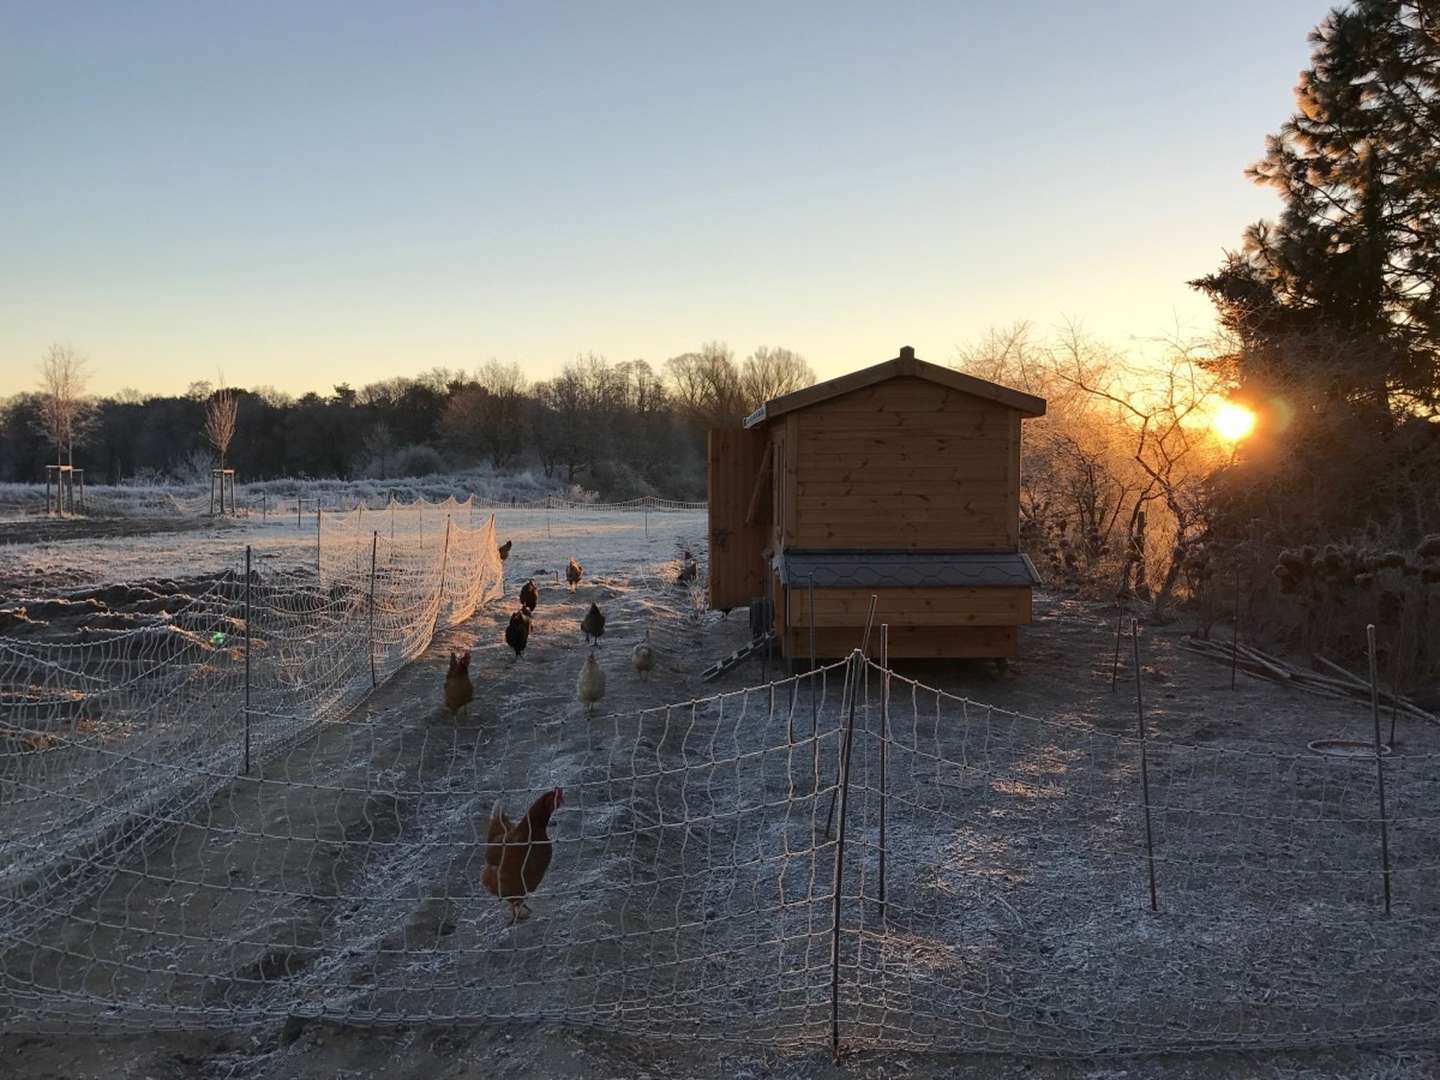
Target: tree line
621,429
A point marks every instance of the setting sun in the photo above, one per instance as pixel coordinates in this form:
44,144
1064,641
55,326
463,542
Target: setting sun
1233,422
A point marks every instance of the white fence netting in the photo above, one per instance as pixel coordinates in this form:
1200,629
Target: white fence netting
108,746
972,879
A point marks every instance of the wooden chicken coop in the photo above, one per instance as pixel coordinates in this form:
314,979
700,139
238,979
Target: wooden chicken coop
900,481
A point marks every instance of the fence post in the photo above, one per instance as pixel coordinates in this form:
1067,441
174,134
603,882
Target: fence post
298,500
1379,763
444,561
865,667
374,544
1235,632
1115,663
884,748
843,781
814,707
247,659
1144,765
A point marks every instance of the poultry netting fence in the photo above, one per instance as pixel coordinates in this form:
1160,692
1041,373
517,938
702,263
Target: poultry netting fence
110,743
843,856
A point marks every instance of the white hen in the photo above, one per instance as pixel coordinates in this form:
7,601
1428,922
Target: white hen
590,686
643,656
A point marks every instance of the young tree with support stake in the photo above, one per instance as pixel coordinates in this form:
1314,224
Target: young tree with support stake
63,407
220,414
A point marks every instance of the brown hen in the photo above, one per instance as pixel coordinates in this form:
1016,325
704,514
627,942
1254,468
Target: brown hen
518,854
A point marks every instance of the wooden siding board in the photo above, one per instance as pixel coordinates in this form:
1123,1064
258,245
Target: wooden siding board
791,442
904,464
907,643
944,606
737,566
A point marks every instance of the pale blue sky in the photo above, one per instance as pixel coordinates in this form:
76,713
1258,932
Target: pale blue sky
308,193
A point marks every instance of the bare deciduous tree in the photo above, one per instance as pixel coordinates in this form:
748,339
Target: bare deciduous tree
768,373
220,414
706,385
63,407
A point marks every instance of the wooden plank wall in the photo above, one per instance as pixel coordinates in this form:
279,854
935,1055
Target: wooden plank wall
737,561
906,642
949,606
904,464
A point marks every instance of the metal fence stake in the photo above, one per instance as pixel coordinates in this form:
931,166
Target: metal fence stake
857,658
444,562
1235,632
1144,766
884,748
1115,663
247,659
374,545
1379,763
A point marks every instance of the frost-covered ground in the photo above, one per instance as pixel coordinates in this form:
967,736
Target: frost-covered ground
527,729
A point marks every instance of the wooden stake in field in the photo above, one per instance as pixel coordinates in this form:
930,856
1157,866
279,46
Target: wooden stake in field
1379,763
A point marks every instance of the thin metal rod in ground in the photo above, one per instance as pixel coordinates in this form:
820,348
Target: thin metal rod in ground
769,645
1235,632
854,689
1395,671
1115,663
444,561
814,700
370,633
1379,763
298,523
869,622
1144,766
884,744
843,787
814,706
247,659
317,540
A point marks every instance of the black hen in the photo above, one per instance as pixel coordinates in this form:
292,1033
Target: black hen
517,634
593,624
505,549
529,595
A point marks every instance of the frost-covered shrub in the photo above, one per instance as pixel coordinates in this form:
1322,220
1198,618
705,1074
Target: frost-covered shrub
416,461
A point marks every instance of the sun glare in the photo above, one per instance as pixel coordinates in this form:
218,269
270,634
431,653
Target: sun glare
1233,422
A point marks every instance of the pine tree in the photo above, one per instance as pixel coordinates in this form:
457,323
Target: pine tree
1349,275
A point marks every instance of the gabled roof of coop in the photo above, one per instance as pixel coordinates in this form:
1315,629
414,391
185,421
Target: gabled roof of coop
903,366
